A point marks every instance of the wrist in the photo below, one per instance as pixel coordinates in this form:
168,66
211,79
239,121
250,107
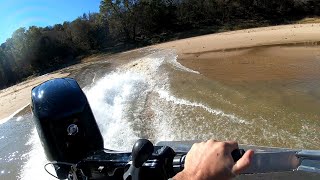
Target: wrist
186,176
180,176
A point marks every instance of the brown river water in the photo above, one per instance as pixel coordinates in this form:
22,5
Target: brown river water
276,89
266,96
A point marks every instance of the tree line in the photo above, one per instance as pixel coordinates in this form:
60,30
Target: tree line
132,23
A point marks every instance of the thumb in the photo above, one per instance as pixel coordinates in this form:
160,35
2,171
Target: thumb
243,163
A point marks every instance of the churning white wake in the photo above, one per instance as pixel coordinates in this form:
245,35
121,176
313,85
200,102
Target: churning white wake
127,105
36,159
130,97
168,97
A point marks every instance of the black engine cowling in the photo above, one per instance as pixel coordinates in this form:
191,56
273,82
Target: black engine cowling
64,120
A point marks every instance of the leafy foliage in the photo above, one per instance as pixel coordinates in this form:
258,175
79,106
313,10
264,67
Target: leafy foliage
38,50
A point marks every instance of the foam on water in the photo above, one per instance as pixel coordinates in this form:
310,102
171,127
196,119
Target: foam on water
168,97
2,121
19,118
35,160
177,65
126,106
111,99
118,99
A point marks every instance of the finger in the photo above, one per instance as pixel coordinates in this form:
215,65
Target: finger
243,162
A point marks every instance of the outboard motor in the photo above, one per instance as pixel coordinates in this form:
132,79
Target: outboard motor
65,123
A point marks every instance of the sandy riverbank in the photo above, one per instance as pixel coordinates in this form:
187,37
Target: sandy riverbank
274,35
269,53
214,56
18,96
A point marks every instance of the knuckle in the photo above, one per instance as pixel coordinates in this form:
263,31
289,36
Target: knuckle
234,142
224,145
201,143
195,145
211,141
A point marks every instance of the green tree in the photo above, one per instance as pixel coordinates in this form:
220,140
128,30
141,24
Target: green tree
7,64
120,16
79,31
3,79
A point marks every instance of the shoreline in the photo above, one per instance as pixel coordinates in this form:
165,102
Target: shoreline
207,48
18,97
284,52
248,38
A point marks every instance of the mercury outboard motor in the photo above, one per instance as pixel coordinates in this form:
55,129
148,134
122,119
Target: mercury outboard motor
65,123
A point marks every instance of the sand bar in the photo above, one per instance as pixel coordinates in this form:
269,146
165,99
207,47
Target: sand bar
201,48
273,35
18,96
287,52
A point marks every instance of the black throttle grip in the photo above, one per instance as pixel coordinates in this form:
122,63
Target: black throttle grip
237,154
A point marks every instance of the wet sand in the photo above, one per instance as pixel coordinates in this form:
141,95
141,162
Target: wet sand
281,62
222,56
235,56
274,73
18,96
270,83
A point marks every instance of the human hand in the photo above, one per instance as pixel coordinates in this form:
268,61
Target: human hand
213,160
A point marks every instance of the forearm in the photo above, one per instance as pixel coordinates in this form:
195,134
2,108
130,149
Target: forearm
180,176
184,176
